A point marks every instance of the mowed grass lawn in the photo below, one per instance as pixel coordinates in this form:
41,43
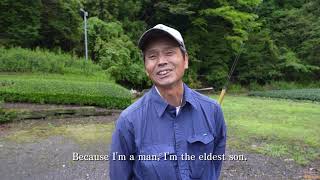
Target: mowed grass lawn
275,127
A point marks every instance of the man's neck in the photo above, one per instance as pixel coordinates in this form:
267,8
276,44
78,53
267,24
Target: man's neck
172,95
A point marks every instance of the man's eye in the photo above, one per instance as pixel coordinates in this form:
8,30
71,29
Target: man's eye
168,53
152,57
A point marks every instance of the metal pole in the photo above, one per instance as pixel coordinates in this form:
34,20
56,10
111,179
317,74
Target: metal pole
85,14
85,34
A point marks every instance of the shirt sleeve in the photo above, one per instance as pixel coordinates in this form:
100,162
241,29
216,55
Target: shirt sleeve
122,144
220,143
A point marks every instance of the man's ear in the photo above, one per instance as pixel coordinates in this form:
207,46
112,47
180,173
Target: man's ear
146,72
186,59
145,69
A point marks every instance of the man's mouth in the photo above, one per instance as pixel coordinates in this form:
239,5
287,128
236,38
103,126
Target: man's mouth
164,72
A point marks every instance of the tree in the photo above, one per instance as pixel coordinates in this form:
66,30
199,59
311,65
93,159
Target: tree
295,29
20,22
60,22
125,11
116,53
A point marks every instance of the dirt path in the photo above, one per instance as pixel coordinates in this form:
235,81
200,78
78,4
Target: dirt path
43,149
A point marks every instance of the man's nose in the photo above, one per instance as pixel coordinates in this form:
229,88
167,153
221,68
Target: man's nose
162,61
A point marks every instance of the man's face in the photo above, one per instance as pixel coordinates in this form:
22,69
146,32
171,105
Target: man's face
164,62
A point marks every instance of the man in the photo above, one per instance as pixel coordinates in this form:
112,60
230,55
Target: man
172,131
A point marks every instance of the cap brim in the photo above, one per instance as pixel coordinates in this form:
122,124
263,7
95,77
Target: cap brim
150,34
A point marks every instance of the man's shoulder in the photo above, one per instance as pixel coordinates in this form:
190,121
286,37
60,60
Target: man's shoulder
203,99
211,108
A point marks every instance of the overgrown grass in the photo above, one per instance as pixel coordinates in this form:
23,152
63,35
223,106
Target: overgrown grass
76,90
279,128
299,94
6,115
274,85
25,60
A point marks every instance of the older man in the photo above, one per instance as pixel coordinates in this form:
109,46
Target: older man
172,132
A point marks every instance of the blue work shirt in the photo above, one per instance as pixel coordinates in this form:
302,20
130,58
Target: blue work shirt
153,140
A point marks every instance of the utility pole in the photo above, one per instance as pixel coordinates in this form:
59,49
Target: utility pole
85,14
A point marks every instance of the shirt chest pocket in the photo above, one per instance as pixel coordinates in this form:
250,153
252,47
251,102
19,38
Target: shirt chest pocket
155,162
199,145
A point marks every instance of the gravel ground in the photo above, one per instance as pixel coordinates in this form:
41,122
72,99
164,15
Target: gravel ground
50,156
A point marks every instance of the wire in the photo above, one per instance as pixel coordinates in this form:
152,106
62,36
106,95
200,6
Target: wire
235,62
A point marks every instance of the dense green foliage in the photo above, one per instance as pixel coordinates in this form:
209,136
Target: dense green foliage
276,40
45,23
300,94
56,91
114,52
23,60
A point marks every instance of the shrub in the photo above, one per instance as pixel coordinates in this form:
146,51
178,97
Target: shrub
278,85
113,50
237,88
299,94
52,91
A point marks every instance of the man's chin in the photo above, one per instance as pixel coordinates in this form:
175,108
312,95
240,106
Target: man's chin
166,84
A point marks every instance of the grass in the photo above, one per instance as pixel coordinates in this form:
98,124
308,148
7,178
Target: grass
300,94
40,60
279,128
58,89
84,134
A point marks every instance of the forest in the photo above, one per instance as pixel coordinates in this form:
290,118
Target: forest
275,40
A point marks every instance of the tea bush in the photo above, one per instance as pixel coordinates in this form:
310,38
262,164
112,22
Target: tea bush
56,91
299,94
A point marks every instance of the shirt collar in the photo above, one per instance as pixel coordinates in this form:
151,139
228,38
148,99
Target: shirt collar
161,104
189,96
